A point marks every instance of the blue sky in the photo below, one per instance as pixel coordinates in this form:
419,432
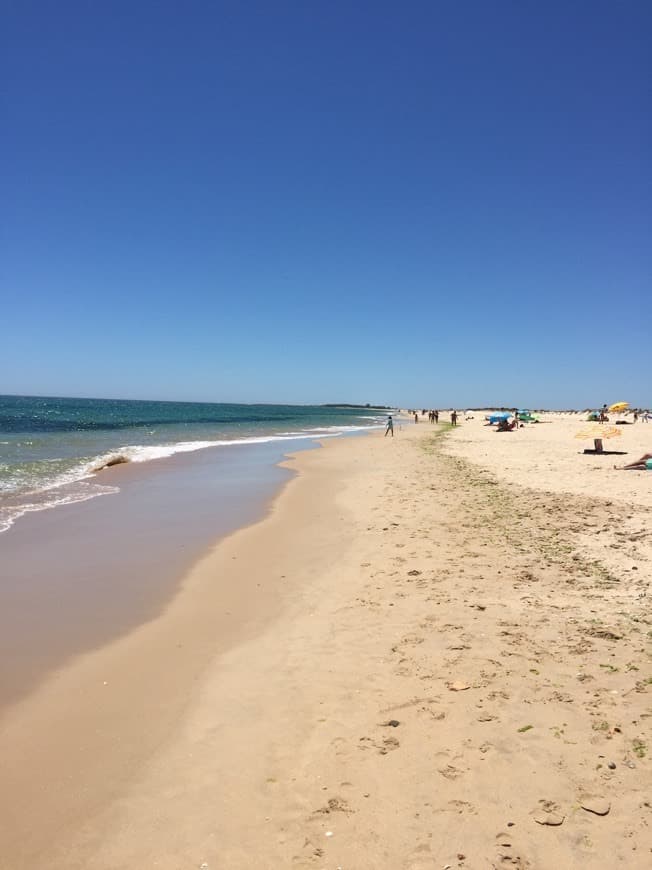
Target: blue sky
425,203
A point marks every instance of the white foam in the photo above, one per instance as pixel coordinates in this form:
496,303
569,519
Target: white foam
147,453
9,515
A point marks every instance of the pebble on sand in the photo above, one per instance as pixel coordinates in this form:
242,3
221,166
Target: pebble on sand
552,819
596,805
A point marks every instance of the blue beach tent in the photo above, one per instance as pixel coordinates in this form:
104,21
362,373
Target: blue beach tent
499,417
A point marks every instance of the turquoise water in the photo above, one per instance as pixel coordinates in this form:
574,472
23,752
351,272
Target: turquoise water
51,448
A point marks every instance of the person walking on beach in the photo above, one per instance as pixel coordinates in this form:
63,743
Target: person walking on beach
436,416
416,416
453,418
390,427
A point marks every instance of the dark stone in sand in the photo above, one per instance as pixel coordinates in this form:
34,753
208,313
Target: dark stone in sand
117,460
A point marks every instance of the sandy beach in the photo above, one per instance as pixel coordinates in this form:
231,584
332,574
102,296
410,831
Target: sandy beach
433,652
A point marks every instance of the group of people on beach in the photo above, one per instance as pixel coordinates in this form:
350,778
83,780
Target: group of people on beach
642,464
433,417
643,416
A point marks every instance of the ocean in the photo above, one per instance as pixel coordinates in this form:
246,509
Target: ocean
52,448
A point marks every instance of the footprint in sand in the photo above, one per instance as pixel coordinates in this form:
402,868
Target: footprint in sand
437,715
411,640
450,772
334,805
389,744
460,807
493,696
309,859
506,856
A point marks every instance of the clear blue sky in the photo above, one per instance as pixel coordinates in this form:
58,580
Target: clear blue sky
421,203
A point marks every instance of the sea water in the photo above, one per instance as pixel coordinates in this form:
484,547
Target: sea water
52,448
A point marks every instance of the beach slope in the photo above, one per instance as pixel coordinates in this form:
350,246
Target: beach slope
413,662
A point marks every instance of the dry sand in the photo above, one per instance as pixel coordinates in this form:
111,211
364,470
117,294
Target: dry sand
431,654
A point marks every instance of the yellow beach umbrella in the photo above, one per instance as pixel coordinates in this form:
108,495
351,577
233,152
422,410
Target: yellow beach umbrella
619,406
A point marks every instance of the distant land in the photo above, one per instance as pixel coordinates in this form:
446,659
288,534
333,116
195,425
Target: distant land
367,406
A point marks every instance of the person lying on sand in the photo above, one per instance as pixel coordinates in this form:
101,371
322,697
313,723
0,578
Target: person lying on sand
504,426
645,462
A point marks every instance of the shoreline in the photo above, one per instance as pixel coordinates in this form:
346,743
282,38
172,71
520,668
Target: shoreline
396,583
104,567
31,728
52,449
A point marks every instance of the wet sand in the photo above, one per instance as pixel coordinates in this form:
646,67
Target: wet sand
78,576
420,661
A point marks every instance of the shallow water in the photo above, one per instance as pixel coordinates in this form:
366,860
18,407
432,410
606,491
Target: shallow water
50,448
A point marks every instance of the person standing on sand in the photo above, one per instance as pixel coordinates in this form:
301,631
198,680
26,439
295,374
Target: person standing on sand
416,417
390,426
453,418
436,416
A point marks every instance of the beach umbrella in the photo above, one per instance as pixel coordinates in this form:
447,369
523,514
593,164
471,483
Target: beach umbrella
619,406
596,433
599,431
